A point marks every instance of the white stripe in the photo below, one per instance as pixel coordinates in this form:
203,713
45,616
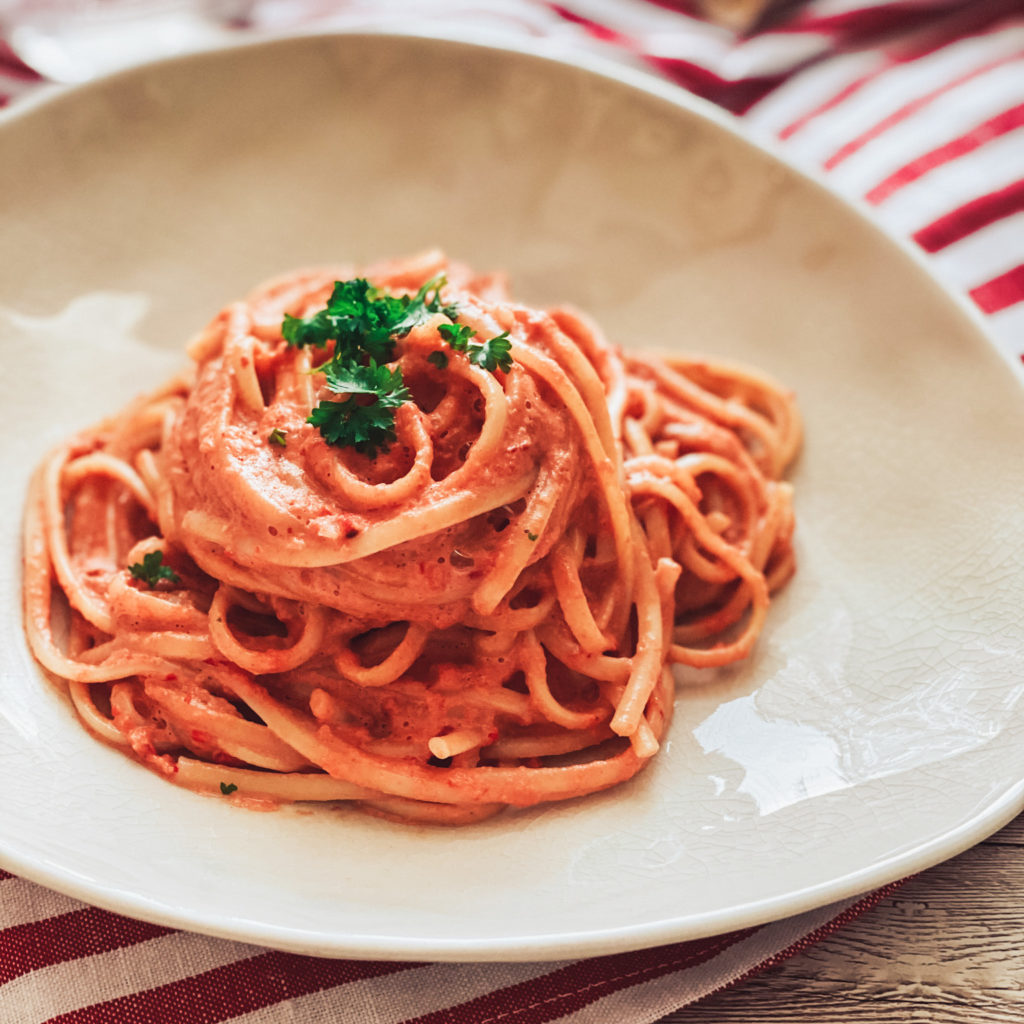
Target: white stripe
36,997
982,255
640,18
993,166
706,46
23,902
508,15
773,53
888,92
944,119
397,997
807,91
649,1001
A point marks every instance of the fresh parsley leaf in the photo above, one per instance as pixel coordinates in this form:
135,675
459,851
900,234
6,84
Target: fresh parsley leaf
151,570
227,788
278,436
316,329
366,428
493,354
363,320
430,296
439,359
356,422
357,317
356,379
457,335
531,536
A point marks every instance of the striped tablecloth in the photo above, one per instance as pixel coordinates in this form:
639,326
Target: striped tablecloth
912,107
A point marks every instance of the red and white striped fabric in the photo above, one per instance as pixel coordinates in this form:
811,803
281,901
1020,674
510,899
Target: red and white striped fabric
62,962
912,107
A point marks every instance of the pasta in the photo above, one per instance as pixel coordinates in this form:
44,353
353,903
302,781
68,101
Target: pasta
480,611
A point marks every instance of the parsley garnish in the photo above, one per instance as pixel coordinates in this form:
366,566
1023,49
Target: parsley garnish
492,355
362,319
531,536
227,788
278,436
363,322
363,425
151,570
457,335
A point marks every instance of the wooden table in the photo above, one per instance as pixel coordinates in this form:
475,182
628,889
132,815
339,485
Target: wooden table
945,948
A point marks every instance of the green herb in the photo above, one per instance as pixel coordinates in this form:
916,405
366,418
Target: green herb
363,320
439,359
493,354
457,335
356,422
227,788
364,323
278,436
531,536
151,570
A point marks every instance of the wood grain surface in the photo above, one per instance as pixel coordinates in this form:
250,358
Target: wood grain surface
945,948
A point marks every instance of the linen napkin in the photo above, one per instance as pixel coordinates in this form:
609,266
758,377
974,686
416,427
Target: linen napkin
62,962
913,109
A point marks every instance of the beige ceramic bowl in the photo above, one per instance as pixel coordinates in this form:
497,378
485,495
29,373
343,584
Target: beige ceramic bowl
879,726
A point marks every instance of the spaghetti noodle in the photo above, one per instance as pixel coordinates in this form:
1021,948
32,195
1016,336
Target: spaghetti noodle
483,612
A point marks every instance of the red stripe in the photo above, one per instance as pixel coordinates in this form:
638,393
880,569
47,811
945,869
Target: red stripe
4,875
863,23
1001,292
570,988
736,96
595,28
14,67
688,7
225,992
971,217
975,139
79,933
916,104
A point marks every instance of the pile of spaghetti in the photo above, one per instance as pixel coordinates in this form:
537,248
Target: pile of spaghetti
398,540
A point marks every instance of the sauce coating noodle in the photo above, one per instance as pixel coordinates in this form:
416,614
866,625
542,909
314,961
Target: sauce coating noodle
484,615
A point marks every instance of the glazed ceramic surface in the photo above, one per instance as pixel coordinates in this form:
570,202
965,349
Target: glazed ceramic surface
879,726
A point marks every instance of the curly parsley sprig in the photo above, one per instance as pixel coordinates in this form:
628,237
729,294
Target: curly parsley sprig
493,354
364,322
365,420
